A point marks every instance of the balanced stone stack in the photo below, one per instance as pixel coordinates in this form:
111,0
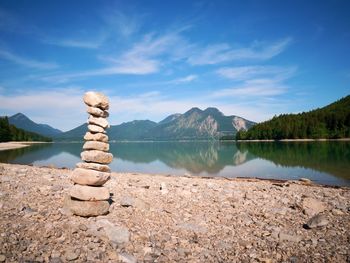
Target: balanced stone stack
88,196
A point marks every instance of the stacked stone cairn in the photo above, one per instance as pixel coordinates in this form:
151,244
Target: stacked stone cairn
88,196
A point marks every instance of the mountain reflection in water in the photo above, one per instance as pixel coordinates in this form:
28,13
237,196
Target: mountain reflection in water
292,160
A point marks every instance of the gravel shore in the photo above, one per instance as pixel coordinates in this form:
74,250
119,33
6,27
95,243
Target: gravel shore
155,218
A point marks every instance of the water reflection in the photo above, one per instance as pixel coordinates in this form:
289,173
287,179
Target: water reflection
329,156
205,158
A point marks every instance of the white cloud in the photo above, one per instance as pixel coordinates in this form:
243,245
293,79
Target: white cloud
248,72
144,57
124,24
76,43
30,63
253,88
215,54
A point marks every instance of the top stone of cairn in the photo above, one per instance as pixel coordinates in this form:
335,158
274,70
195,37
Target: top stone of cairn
96,99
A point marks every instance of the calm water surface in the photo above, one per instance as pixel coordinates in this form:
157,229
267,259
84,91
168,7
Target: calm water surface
322,162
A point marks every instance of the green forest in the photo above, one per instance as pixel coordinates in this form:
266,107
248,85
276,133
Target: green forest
10,132
330,122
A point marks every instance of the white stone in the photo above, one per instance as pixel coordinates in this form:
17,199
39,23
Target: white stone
96,99
97,112
95,145
96,137
99,121
94,166
95,128
89,193
96,157
89,177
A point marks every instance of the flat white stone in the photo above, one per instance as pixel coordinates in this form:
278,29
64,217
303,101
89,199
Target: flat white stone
96,137
95,145
89,193
89,177
99,121
96,157
95,129
94,166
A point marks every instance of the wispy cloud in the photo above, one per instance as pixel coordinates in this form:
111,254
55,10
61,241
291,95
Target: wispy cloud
144,57
76,43
248,72
30,63
121,23
254,88
215,54
186,79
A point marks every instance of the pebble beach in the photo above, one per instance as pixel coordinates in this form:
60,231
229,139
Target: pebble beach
157,218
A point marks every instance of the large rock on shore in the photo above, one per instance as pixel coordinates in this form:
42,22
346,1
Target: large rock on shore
96,137
99,121
94,166
96,156
86,208
89,177
95,128
97,112
312,206
96,145
89,193
96,99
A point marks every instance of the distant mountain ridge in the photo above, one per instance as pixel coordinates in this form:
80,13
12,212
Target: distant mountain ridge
193,124
23,122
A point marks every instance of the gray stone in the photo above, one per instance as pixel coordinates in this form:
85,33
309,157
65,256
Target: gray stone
86,208
89,177
72,255
96,157
96,137
319,220
2,258
94,166
96,99
116,234
95,128
95,145
89,193
99,121
287,237
127,258
127,201
97,112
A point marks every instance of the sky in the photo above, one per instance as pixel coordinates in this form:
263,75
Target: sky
253,59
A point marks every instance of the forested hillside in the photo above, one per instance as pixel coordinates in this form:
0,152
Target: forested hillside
10,132
330,122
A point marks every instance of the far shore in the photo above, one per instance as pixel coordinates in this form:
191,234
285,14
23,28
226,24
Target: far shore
16,145
294,140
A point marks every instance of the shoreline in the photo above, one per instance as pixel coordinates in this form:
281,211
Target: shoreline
172,219
17,144
295,140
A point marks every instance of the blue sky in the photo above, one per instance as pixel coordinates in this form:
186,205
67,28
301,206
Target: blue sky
253,59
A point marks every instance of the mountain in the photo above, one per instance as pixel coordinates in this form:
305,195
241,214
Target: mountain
133,130
76,134
9,132
193,124
329,122
198,124
23,122
170,118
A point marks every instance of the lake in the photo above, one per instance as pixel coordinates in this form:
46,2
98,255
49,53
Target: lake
322,162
